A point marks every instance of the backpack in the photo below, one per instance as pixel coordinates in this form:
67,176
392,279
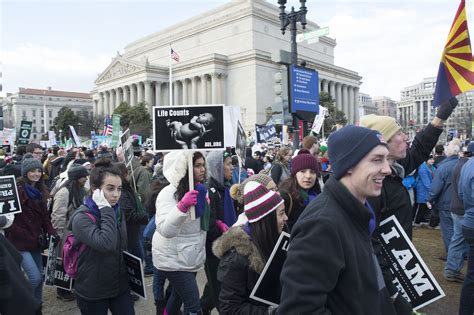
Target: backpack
71,251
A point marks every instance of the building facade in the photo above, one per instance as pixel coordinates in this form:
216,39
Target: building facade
366,105
385,106
415,109
225,58
42,107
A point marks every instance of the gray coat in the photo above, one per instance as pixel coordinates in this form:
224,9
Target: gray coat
101,273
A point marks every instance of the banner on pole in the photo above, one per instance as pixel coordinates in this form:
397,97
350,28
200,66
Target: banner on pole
411,275
241,142
77,141
196,127
126,141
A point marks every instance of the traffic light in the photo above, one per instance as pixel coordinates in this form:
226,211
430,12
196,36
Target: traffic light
287,118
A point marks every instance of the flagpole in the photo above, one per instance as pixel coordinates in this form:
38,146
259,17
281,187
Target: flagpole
171,77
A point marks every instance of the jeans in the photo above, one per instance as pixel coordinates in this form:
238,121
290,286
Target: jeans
184,289
158,285
466,305
457,247
446,224
33,266
121,304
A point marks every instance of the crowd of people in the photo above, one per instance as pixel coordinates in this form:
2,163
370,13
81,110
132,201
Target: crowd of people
225,217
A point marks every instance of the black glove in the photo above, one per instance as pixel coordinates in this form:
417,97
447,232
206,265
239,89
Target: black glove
402,307
445,109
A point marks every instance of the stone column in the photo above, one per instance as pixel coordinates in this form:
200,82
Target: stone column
176,93
345,101
185,92
351,115
133,95
95,102
332,89
325,86
357,104
223,91
139,93
157,93
194,99
100,106
106,102
126,94
118,97
339,96
148,99
203,97
415,112
214,79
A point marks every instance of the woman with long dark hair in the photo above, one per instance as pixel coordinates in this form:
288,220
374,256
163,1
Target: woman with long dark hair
66,200
102,279
245,249
301,187
30,223
280,169
178,244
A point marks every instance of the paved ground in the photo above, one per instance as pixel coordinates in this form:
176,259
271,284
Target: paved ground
427,241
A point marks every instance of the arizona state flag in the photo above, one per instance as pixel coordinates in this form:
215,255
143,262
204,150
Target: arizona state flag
456,70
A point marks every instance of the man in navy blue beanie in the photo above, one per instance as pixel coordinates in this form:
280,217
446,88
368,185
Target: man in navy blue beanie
330,265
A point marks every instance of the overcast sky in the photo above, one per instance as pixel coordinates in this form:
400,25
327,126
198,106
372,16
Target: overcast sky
65,44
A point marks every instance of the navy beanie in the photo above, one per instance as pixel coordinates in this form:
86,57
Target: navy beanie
349,145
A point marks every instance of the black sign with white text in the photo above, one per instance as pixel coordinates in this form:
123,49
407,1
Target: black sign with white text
61,279
411,275
268,289
241,142
127,146
199,127
135,274
9,201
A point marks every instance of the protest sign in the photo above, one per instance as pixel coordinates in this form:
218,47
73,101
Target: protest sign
9,201
76,139
8,136
51,262
135,274
61,279
25,131
196,127
115,130
265,133
412,277
241,142
319,120
231,116
126,141
268,289
52,138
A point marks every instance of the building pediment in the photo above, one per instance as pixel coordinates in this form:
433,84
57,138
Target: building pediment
119,67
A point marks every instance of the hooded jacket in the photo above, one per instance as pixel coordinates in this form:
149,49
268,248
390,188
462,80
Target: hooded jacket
178,243
101,270
240,266
441,188
330,267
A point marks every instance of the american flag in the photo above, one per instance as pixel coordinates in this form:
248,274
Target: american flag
174,55
107,126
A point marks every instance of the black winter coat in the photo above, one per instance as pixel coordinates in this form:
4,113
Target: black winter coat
330,267
293,209
216,205
239,269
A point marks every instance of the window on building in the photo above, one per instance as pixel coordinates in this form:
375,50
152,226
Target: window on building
34,136
42,113
50,113
24,113
34,129
33,111
50,99
42,129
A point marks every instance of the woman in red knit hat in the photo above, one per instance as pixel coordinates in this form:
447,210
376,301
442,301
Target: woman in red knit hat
301,187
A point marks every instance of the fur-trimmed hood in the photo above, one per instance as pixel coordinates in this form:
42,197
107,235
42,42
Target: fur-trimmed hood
238,239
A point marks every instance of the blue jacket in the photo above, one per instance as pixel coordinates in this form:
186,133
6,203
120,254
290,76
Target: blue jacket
466,192
441,188
424,181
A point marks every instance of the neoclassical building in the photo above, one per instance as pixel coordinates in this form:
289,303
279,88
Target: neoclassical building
225,58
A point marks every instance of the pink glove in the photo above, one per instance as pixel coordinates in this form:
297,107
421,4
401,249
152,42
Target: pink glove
222,226
189,200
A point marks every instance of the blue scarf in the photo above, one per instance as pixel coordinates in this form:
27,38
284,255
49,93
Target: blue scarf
33,192
230,217
372,219
91,205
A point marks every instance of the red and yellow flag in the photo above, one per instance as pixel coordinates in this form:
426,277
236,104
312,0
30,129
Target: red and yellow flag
456,70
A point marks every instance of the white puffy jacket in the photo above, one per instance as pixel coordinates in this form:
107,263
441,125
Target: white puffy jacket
178,242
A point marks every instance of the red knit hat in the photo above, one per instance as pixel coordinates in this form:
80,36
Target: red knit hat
304,160
259,201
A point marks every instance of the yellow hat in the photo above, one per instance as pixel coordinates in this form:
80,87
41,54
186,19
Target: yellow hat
386,125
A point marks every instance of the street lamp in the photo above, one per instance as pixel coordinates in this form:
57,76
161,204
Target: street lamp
291,19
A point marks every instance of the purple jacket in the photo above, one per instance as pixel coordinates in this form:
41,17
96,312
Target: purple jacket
26,228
